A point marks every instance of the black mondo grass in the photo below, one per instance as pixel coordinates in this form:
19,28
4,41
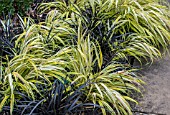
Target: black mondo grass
78,58
6,37
60,100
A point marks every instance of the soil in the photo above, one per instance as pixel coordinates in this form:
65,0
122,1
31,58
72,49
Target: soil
156,97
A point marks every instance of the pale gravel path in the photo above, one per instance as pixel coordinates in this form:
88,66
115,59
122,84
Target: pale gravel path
157,90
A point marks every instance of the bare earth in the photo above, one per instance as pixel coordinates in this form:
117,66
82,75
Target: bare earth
156,97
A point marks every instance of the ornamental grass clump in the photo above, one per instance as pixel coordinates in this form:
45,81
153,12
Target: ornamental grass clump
79,57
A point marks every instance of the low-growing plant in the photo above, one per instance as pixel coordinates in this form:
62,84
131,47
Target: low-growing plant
6,38
115,23
31,65
23,72
62,99
81,47
35,63
111,85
